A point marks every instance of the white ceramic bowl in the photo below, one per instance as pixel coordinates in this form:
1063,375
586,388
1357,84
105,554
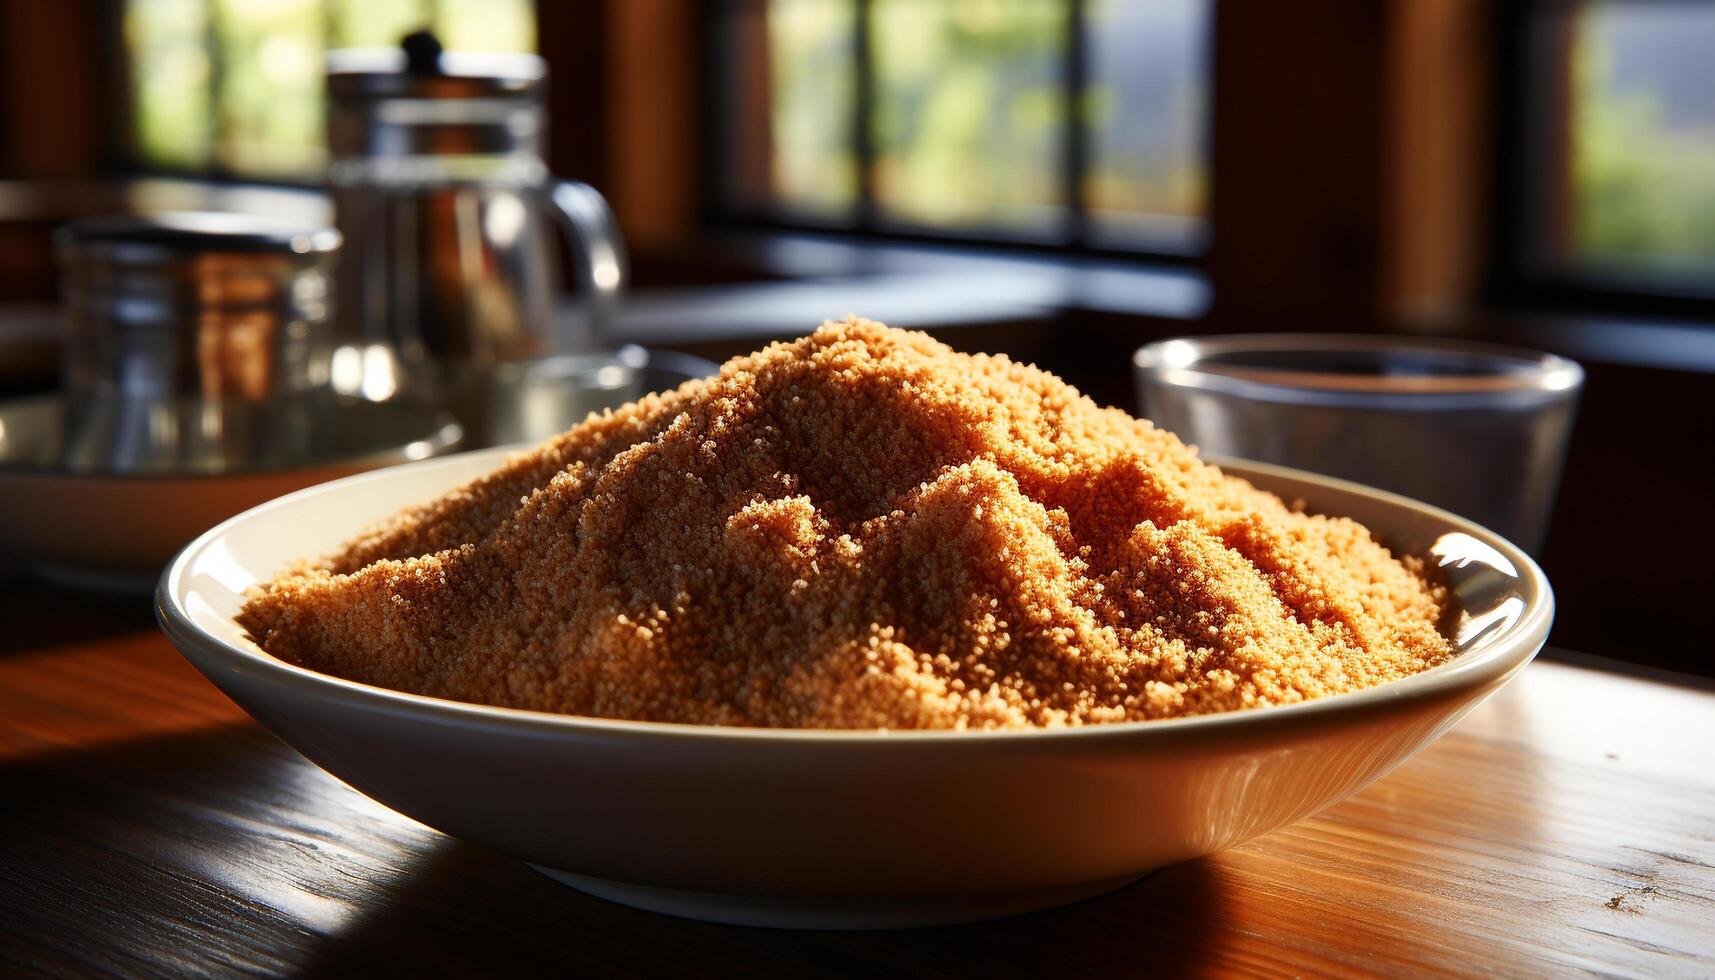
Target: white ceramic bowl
842,829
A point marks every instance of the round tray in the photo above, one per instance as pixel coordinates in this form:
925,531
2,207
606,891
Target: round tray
115,530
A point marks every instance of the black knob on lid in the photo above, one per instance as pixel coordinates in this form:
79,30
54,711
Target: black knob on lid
422,53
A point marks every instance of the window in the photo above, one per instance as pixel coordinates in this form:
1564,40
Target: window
1615,118
1064,122
234,87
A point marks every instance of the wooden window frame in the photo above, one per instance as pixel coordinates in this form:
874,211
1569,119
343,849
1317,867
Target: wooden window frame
1073,236
1531,139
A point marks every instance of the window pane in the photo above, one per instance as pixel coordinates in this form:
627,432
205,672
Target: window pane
969,112
788,83
170,82
812,61
1147,106
270,86
376,23
1643,141
507,26
239,82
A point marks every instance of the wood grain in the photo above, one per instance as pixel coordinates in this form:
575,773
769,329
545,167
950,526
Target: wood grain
149,828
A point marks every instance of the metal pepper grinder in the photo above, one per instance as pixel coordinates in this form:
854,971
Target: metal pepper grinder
447,210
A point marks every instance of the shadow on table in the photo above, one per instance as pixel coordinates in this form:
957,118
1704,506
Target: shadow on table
472,911
38,614
223,849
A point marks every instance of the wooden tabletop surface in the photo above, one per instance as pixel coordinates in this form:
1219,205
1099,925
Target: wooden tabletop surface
149,827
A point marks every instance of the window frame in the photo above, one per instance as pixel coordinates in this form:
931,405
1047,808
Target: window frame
1518,278
1072,237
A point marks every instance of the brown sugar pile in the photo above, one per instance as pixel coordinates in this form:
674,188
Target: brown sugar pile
861,529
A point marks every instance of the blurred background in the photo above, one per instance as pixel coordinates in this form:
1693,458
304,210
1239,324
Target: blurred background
1062,180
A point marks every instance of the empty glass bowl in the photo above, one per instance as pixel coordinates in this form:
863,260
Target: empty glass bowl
1480,430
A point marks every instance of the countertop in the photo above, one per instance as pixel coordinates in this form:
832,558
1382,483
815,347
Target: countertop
149,827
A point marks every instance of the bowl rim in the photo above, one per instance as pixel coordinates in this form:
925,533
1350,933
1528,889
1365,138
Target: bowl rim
1461,672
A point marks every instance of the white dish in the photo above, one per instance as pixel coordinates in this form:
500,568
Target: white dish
842,829
117,530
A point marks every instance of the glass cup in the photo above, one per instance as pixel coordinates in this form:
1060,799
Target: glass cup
1478,429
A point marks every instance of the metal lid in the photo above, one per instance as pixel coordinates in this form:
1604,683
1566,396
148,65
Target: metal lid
148,239
419,68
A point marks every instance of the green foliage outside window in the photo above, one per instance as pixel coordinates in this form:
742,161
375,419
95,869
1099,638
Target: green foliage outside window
969,108
1643,137
812,71
969,121
235,86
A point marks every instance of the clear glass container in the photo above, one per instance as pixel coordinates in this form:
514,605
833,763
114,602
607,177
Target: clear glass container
1478,429
448,211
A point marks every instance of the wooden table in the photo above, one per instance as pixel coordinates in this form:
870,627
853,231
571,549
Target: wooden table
148,827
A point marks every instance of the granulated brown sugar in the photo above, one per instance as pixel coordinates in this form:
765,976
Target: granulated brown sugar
861,529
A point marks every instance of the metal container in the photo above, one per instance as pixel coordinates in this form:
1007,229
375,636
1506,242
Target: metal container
32,210
1478,429
194,341
447,209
